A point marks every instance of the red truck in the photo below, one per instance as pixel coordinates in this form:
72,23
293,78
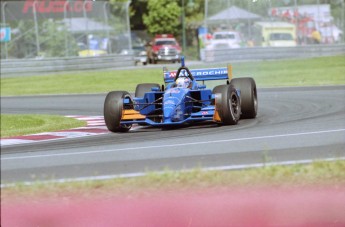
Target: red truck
163,47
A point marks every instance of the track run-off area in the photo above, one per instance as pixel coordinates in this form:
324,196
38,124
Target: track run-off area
294,125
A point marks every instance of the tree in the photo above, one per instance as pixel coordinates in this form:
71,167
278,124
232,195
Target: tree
53,38
163,16
138,9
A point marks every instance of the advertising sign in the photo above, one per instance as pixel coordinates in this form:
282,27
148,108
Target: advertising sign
52,8
5,34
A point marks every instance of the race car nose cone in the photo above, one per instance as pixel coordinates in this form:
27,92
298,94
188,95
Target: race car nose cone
168,112
172,109
173,113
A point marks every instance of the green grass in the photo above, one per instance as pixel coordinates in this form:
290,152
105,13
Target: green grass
15,125
303,72
320,173
299,72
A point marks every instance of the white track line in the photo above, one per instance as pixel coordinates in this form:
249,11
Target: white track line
140,174
174,145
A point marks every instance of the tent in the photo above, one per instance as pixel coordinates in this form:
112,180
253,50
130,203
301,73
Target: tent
233,13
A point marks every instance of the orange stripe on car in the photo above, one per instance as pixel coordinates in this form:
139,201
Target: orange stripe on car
132,115
216,116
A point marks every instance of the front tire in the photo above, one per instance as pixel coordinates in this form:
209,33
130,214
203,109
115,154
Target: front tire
227,103
141,89
249,99
113,106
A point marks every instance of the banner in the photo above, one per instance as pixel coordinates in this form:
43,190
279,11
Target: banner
51,8
5,34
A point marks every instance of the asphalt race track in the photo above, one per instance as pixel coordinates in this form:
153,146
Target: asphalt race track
293,124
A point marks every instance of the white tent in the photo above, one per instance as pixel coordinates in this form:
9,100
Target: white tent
233,13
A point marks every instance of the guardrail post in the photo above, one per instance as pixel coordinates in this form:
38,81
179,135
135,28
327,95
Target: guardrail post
341,3
129,27
3,5
65,17
107,25
86,27
38,49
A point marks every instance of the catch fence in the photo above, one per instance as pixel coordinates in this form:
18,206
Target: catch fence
63,28
289,25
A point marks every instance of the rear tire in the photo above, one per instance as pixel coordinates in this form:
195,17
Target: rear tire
141,89
113,106
249,99
227,103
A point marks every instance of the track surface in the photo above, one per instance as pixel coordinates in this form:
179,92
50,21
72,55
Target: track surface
292,124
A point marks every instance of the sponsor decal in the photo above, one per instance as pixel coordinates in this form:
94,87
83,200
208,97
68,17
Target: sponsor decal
169,102
172,74
204,112
203,72
175,91
211,72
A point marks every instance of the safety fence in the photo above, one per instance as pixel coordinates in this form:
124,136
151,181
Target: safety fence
63,28
237,29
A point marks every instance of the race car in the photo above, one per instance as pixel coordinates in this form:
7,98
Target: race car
183,100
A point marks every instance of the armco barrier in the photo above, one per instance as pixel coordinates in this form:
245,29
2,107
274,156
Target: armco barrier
267,53
48,65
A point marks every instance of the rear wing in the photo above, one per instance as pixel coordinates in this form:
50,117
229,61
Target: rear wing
202,74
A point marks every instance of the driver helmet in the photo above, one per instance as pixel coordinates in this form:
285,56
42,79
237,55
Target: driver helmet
184,82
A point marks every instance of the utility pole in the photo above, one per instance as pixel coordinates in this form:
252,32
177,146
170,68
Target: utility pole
38,49
342,18
183,29
3,5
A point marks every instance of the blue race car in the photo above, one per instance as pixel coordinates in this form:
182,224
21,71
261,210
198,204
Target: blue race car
182,100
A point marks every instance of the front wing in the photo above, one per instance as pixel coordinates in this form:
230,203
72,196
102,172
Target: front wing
134,117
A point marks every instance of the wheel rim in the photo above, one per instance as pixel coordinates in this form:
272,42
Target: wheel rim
233,104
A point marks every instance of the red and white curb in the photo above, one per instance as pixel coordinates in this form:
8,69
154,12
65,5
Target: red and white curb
95,126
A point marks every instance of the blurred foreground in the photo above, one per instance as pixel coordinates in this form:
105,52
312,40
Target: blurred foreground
234,206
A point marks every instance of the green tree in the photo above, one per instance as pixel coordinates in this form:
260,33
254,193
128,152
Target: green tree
23,43
163,16
54,37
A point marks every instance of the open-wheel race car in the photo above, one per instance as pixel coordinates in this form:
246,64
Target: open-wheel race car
183,100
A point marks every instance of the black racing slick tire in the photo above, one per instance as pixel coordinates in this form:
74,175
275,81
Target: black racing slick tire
227,103
248,94
141,89
113,106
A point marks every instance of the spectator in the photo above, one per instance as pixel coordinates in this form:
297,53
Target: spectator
316,36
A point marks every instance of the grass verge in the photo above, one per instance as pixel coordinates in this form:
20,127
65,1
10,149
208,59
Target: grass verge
299,72
15,125
319,173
